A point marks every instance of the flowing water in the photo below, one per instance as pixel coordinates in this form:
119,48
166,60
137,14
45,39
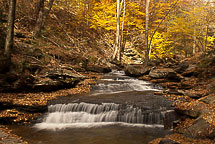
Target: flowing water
118,110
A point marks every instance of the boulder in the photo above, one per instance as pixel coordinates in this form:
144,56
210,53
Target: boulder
200,129
181,67
169,118
195,111
190,71
163,73
98,69
136,71
191,113
56,79
62,73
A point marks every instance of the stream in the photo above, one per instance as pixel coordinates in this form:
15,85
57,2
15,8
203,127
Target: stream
118,110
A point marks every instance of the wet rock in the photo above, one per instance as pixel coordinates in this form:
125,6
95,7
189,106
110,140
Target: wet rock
163,73
136,71
32,109
191,113
200,129
169,118
98,69
190,71
167,141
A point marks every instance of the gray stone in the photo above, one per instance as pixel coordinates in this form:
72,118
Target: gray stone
162,73
199,129
136,71
98,69
190,71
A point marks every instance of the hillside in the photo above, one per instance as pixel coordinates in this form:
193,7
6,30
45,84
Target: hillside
81,41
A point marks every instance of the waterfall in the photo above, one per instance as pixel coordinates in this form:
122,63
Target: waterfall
106,112
131,105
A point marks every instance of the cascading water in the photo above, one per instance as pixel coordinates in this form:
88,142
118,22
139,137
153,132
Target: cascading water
71,114
119,109
117,82
106,112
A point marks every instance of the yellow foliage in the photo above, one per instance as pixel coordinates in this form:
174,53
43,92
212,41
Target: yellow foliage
161,47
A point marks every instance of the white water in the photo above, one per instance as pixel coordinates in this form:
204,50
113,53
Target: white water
86,115
121,83
61,126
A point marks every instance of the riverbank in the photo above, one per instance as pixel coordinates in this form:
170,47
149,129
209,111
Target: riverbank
23,108
192,96
6,137
190,85
142,98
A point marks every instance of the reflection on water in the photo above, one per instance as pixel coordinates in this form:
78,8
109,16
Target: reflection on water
100,134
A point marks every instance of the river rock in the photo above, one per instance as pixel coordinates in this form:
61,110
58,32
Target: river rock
136,71
167,141
98,69
56,79
163,73
191,113
195,111
169,118
200,129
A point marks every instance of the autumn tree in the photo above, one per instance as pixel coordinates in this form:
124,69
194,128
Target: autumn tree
146,33
189,27
10,28
43,13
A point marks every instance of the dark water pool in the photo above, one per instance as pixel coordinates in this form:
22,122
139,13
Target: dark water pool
106,134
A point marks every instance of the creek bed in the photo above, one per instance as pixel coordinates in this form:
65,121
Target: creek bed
119,109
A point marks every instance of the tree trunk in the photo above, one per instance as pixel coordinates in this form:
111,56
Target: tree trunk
39,8
206,39
10,28
41,19
121,49
146,33
117,31
194,27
